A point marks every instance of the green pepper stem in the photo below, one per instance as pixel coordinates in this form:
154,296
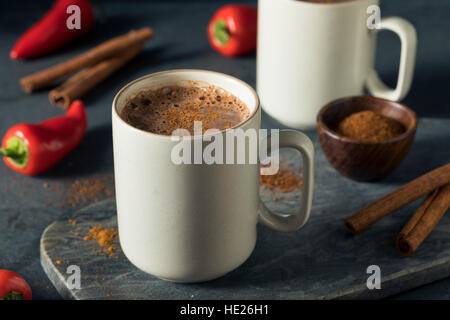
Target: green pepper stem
9,153
221,32
16,151
12,295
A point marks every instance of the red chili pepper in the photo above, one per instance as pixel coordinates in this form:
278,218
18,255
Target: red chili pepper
31,149
51,32
232,30
13,286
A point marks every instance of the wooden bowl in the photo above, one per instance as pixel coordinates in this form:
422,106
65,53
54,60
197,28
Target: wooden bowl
364,161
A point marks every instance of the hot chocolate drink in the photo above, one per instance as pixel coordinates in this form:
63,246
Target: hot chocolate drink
165,109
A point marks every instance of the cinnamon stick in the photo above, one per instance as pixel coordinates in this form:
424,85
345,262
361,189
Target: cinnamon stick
85,80
409,192
103,51
418,214
423,221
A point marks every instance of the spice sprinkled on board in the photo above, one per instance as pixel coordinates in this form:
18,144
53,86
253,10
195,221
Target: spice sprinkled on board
284,181
104,237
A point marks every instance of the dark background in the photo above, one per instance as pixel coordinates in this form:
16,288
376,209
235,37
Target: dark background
27,207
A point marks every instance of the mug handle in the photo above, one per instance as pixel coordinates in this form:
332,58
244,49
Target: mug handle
293,222
408,38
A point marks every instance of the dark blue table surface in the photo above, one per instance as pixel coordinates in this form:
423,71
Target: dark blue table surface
27,207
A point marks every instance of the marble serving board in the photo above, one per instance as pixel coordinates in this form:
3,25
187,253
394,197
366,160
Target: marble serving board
320,261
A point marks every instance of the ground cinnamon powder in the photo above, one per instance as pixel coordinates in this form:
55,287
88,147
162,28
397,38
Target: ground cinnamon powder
88,190
104,237
284,181
80,192
368,126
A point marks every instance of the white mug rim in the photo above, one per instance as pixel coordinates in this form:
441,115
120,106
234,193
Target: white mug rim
130,84
326,5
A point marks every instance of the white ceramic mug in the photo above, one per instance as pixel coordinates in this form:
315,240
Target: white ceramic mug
192,223
311,53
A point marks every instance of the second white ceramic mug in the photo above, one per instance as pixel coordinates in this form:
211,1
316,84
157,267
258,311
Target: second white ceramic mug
193,222
311,53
